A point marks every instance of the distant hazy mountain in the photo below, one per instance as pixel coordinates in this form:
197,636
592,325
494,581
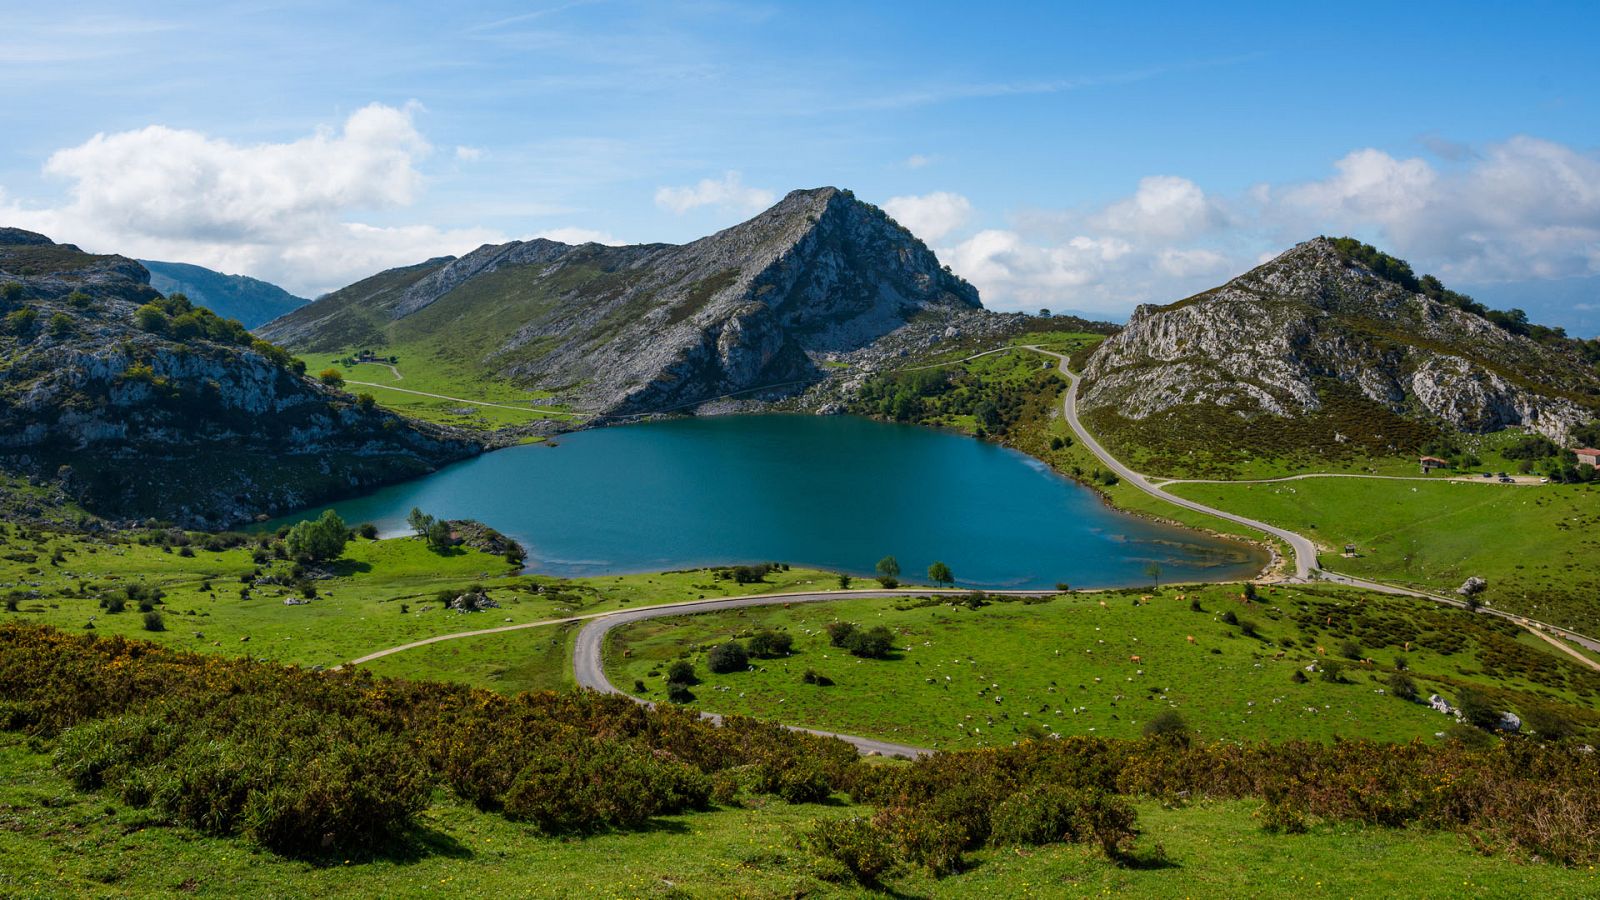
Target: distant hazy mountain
654,326
250,300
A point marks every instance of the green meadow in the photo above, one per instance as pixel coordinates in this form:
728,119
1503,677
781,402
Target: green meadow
1538,546
379,594
1105,663
422,369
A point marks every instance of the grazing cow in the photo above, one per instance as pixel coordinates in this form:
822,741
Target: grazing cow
1190,638
1135,659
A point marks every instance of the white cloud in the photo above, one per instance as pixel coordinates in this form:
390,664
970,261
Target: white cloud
279,211
1521,209
728,193
930,216
469,154
917,161
1164,206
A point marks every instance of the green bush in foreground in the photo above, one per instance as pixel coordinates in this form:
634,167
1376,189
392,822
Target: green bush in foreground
322,763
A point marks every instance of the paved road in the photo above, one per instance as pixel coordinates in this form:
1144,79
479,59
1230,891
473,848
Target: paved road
1450,479
1305,552
589,666
390,387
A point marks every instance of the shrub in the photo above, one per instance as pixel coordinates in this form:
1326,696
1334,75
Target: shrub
1167,724
1331,671
854,843
1350,650
582,785
766,644
1228,618
1249,628
678,692
729,657
154,622
874,643
1050,813
331,377
681,672
1402,686
1299,677
812,676
368,531
840,634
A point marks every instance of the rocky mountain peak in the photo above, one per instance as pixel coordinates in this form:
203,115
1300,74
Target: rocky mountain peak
1332,312
658,326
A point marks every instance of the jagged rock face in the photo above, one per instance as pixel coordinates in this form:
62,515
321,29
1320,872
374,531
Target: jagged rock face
137,424
1259,344
657,326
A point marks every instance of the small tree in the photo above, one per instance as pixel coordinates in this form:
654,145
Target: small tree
888,572
331,377
321,539
681,672
939,573
766,643
60,325
1152,571
419,521
844,581
729,657
366,402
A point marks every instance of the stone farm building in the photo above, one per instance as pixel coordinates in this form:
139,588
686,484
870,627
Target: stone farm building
1429,463
1588,456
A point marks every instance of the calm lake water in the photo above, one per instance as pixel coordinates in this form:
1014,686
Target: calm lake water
834,492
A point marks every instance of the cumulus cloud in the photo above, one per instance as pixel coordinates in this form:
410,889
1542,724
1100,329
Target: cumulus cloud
930,216
280,211
1525,208
1163,206
917,160
727,193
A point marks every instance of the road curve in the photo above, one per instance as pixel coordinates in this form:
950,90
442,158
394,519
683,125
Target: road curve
589,666
1305,552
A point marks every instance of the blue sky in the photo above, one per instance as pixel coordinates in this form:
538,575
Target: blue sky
1062,155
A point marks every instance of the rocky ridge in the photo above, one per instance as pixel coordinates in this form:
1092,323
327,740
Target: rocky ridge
204,429
655,327
1269,343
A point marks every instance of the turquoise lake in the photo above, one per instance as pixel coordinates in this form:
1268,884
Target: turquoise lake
834,492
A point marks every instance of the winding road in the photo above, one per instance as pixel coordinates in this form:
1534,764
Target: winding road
588,653
1306,566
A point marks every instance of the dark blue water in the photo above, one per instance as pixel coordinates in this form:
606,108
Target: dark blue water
833,492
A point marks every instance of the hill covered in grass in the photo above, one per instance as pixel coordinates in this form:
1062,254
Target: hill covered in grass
132,405
1331,350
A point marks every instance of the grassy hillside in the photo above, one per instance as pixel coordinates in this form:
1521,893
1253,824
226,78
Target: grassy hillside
1537,545
481,401
60,841
378,594
980,677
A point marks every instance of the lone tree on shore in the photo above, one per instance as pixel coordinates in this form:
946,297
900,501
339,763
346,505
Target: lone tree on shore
939,573
1152,570
889,572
